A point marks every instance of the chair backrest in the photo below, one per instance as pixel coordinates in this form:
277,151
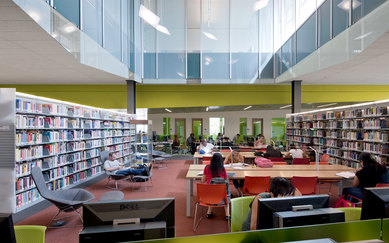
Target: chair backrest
207,160
306,185
220,180
382,185
104,155
320,163
30,233
254,185
351,213
324,158
279,163
300,161
239,210
277,159
211,194
40,182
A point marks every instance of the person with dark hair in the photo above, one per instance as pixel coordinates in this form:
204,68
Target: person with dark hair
236,139
271,152
367,176
309,152
260,141
226,143
113,165
279,187
190,142
213,170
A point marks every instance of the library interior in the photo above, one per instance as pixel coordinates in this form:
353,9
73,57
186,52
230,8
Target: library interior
194,120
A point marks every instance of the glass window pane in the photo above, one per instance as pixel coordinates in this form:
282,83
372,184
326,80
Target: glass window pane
243,127
150,45
266,40
340,17
363,7
306,38
180,130
304,9
257,126
166,126
112,32
197,127
194,65
323,22
278,63
70,9
216,125
124,25
92,19
289,53
278,130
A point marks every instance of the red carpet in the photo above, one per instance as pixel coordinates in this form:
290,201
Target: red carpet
168,182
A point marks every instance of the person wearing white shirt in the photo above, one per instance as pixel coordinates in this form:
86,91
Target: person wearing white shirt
295,153
113,165
205,146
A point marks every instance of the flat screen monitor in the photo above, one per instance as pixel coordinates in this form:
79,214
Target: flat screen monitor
7,228
375,203
142,210
268,206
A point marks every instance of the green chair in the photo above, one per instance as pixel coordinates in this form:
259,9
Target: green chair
30,233
351,214
239,211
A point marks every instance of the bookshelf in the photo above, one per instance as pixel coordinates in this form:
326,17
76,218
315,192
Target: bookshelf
142,145
65,140
343,132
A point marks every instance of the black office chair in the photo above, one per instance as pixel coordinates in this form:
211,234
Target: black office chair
66,200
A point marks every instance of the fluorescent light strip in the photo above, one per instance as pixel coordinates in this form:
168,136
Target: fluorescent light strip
283,107
319,106
166,109
61,102
148,16
206,109
248,107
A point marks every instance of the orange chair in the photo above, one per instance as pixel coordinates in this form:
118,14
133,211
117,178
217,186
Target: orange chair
280,163
253,185
324,158
320,163
382,185
300,161
277,159
306,185
210,195
207,160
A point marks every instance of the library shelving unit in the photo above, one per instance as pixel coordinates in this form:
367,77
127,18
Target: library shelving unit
65,140
143,144
343,132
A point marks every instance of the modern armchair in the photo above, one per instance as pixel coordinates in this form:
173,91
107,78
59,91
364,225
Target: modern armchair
66,200
111,175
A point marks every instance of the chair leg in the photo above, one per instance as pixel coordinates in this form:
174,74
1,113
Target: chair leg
194,221
59,211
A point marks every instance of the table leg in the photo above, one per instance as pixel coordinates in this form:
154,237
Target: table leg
189,192
196,161
340,187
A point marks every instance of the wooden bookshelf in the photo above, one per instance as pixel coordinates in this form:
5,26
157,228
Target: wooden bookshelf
343,132
65,140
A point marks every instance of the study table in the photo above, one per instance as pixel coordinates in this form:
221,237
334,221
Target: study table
249,155
324,172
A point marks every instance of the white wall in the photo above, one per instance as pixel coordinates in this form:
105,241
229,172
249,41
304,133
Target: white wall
231,120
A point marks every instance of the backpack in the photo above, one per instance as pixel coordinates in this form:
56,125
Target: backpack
262,162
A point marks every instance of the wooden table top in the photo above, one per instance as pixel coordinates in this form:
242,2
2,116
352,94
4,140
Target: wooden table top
337,168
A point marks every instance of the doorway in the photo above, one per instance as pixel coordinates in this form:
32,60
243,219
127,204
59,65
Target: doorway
181,129
197,127
257,126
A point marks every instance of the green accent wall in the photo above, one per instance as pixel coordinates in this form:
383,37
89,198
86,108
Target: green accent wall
161,96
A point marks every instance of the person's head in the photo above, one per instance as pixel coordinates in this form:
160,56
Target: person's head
225,139
366,159
235,152
216,165
203,141
269,148
175,136
292,146
261,137
192,135
219,134
237,135
111,156
281,187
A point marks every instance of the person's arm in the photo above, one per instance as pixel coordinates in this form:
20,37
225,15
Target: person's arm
227,159
113,168
241,158
204,178
288,155
254,213
297,193
356,181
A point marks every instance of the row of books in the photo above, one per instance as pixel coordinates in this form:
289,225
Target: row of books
24,169
26,197
24,183
29,137
26,122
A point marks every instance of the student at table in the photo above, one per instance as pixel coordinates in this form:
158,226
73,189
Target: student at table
279,187
260,141
367,176
236,158
176,143
190,142
205,146
271,152
213,170
236,139
295,153
219,138
309,152
226,143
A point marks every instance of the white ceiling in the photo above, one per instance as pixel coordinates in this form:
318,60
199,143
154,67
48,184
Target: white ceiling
29,55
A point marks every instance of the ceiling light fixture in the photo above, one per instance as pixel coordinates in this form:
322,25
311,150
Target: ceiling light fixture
283,107
248,107
209,35
206,109
319,106
260,4
166,109
363,36
346,4
148,16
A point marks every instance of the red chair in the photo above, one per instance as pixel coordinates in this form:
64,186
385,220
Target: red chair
246,150
253,185
277,159
306,185
207,160
324,158
210,195
300,161
320,163
279,163
382,185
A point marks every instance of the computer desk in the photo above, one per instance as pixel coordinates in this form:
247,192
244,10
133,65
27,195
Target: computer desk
324,172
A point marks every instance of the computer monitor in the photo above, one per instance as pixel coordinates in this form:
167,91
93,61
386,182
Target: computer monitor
142,210
375,203
268,206
7,228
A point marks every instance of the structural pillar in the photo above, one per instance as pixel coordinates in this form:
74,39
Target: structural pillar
131,96
296,96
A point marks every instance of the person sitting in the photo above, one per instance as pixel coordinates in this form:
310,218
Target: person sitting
219,138
271,152
226,143
260,141
205,146
295,152
235,157
309,152
190,142
236,139
279,187
113,165
367,176
176,143
213,170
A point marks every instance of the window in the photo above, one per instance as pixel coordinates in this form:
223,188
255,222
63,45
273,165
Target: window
243,127
278,130
216,125
166,126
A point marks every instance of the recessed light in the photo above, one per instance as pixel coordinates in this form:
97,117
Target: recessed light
283,107
248,107
166,109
